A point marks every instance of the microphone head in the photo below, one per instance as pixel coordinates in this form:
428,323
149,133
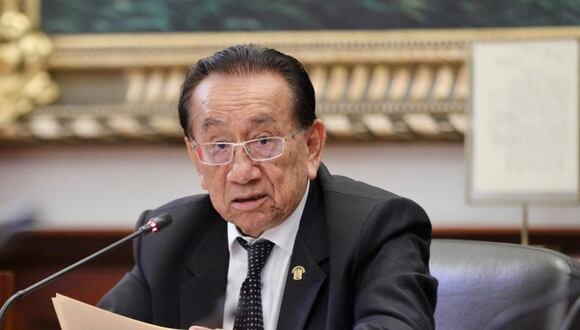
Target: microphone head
157,223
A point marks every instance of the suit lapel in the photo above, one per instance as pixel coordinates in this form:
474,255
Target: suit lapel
202,295
310,252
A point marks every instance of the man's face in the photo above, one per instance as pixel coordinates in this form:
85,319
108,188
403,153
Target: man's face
254,195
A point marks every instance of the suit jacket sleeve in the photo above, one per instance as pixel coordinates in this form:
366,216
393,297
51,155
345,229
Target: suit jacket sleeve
393,288
131,296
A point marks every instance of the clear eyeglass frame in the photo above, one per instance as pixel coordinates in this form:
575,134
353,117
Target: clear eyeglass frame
204,151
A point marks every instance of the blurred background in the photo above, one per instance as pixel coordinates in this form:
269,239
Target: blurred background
89,135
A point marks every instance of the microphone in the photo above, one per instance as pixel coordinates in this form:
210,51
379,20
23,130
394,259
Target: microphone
154,225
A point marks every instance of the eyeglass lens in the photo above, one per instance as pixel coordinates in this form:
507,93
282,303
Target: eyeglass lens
259,149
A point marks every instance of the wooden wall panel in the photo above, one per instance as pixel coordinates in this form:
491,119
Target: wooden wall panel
34,255
6,290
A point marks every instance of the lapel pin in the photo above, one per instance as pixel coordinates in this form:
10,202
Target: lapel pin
297,273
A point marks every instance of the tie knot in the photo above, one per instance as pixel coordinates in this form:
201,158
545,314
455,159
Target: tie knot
257,255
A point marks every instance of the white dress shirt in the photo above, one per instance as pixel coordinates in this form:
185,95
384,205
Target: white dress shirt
275,270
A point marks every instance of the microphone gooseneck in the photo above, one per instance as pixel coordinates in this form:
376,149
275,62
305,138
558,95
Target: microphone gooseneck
152,226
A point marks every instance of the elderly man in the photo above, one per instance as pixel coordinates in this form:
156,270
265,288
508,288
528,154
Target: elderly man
278,242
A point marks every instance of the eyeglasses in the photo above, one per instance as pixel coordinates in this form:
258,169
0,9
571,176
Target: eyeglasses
259,150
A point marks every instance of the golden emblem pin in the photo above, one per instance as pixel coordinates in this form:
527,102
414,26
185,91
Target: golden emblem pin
297,273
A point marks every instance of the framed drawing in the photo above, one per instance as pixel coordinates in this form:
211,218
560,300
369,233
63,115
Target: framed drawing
523,144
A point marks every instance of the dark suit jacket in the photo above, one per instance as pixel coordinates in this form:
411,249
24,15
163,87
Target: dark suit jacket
365,252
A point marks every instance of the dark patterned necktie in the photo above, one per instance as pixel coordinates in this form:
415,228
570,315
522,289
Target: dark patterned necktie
249,314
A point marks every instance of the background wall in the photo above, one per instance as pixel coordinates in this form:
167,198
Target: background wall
85,185
108,186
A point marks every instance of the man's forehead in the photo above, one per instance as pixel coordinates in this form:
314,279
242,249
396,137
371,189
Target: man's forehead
211,121
255,100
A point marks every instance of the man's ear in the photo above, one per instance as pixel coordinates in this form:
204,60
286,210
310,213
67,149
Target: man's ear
195,160
315,140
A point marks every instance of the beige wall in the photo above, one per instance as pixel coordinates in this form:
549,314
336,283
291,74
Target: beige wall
108,186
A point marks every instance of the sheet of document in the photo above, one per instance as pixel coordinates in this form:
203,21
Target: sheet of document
75,315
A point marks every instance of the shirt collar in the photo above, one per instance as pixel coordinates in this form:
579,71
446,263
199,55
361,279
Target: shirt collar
282,235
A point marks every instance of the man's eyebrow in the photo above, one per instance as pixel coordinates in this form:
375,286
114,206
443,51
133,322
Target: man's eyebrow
262,119
210,122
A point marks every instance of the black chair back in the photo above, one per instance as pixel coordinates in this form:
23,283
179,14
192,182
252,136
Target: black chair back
485,285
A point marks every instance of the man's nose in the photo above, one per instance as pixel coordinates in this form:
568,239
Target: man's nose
243,168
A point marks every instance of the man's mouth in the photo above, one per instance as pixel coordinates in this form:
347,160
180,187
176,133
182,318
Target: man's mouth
248,202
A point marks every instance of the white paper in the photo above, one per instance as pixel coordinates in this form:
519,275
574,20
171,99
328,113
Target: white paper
75,315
